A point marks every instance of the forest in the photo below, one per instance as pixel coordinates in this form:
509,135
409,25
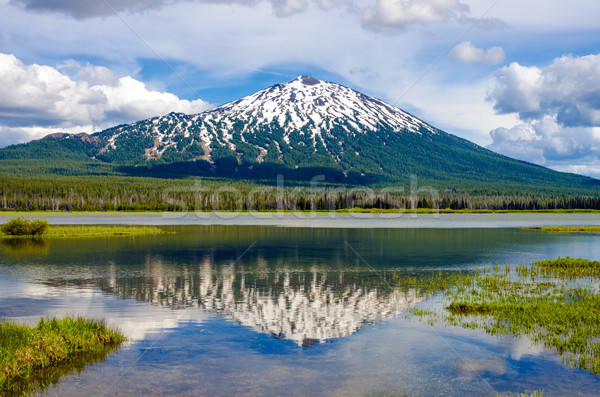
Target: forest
74,184
118,193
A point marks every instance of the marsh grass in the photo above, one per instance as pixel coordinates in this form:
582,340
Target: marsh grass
32,358
566,229
567,267
77,231
553,302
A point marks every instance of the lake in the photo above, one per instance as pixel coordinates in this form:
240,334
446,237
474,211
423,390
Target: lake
260,309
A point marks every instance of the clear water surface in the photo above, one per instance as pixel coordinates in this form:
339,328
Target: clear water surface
266,310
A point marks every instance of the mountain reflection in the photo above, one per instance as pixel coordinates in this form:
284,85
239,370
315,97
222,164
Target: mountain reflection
308,305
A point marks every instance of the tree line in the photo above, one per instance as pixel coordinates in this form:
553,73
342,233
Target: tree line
113,193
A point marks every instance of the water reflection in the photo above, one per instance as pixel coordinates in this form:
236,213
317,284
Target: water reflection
180,298
305,306
21,247
41,379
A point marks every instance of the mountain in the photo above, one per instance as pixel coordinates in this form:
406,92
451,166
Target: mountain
300,129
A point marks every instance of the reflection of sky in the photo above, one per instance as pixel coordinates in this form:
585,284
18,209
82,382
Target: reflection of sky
177,352
137,320
399,357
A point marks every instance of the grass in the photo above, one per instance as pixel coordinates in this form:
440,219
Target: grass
566,229
554,302
34,357
75,231
566,267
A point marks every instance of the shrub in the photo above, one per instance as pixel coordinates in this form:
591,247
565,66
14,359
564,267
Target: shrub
37,227
24,227
16,227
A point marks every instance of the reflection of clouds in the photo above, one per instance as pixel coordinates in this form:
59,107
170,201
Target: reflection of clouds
470,368
306,307
137,320
524,346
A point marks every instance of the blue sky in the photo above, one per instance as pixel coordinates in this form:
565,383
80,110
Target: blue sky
521,78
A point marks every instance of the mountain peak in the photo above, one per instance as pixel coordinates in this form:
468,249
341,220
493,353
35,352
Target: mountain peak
307,80
305,115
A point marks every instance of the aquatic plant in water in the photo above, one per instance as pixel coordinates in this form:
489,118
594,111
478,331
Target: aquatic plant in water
32,358
554,302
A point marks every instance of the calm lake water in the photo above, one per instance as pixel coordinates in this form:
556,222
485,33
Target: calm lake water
265,310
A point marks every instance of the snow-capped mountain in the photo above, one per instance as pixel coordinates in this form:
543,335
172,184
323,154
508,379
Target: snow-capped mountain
317,106
299,129
305,115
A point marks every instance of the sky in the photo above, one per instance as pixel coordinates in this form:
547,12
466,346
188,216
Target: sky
520,78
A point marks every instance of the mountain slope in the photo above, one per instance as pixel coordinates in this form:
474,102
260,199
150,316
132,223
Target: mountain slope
304,121
300,129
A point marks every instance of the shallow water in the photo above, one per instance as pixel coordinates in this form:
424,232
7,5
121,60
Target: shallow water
262,310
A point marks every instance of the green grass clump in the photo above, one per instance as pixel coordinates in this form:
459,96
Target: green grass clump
73,231
101,231
566,229
24,227
30,356
569,267
553,302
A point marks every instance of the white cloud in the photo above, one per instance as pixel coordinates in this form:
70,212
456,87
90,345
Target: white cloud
286,8
520,141
394,15
14,135
92,8
568,89
36,99
326,35
559,106
542,15
467,54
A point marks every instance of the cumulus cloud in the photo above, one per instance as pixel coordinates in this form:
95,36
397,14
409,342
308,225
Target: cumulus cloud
93,8
88,8
559,106
467,54
386,16
569,89
395,15
36,99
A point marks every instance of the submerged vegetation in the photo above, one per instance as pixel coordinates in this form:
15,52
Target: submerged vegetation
566,229
554,302
24,228
35,357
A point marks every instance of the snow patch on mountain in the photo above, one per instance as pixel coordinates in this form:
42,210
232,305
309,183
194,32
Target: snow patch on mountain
311,108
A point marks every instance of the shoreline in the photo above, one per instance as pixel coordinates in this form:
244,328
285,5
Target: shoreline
320,219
